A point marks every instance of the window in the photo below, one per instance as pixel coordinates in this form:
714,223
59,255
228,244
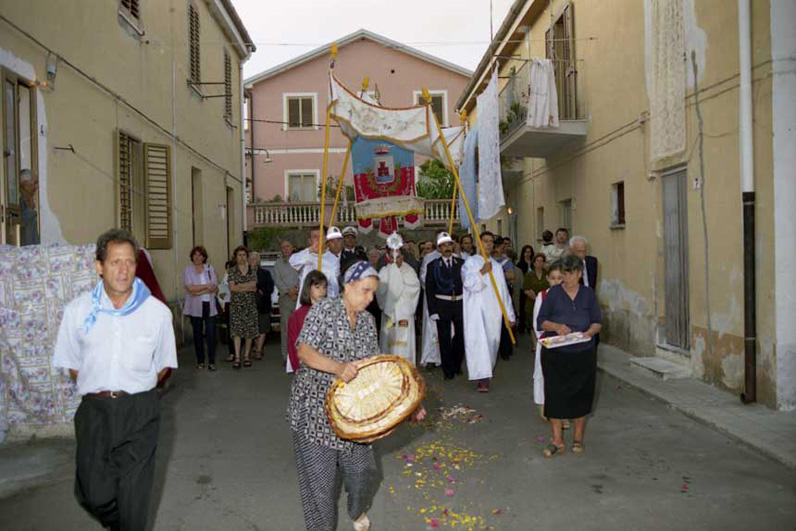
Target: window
193,37
500,227
439,100
302,186
144,191
566,214
197,206
618,203
130,7
227,87
560,48
19,195
300,110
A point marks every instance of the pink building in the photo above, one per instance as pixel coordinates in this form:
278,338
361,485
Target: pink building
287,109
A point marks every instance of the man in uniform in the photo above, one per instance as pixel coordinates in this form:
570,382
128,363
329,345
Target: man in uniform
117,342
351,251
444,300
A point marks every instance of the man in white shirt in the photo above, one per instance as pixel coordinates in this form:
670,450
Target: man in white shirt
117,342
555,252
398,293
307,260
483,319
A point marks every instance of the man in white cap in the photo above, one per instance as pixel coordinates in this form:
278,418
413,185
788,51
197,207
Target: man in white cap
351,251
483,319
444,299
307,260
398,293
430,347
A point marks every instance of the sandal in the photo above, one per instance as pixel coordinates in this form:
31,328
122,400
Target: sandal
247,362
200,366
258,354
552,450
211,367
231,357
236,364
577,447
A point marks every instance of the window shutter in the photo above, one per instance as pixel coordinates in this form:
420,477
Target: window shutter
227,86
124,189
132,7
193,35
571,72
157,172
306,112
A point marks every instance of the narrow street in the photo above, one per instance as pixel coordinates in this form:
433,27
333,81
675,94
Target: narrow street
225,461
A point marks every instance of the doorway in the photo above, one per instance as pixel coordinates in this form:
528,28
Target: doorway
675,244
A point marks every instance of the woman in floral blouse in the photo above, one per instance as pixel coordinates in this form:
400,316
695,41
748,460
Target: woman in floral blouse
336,334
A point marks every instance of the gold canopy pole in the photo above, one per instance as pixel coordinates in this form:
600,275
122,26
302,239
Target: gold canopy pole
321,235
506,321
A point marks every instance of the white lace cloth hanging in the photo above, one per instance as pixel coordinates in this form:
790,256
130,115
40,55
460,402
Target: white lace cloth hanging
543,99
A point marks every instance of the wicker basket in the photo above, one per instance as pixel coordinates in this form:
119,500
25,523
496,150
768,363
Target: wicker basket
386,390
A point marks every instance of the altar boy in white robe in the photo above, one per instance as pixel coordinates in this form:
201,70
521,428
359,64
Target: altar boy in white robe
483,319
398,293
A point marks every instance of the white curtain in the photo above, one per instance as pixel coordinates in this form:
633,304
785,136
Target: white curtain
543,100
667,78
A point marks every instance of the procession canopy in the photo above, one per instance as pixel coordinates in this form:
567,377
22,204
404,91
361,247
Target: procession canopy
412,128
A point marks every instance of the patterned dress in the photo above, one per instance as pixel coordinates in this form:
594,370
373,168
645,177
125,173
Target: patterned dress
243,315
320,453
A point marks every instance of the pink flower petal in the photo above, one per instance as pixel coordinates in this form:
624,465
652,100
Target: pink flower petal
451,479
448,492
436,466
434,523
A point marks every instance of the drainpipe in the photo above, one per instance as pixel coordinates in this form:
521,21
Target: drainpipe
748,198
251,146
244,211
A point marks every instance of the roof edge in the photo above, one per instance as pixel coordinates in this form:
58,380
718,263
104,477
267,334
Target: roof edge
348,39
486,60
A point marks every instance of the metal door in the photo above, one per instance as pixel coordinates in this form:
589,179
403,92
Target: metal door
675,243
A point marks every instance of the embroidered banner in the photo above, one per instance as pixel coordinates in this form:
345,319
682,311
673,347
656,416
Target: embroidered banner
384,185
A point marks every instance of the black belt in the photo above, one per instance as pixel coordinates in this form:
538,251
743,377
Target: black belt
107,394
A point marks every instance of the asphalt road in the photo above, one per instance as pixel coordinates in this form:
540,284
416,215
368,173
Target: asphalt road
225,461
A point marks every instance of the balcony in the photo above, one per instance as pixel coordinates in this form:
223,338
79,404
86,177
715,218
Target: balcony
518,139
303,215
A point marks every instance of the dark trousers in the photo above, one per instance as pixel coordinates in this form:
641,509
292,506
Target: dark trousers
451,349
116,443
209,335
506,349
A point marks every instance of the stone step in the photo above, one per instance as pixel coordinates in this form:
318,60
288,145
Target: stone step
660,368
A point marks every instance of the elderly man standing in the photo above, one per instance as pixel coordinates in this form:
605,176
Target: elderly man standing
483,319
307,260
117,342
578,246
398,293
286,279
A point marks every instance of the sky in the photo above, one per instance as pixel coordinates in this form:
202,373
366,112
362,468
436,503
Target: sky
454,30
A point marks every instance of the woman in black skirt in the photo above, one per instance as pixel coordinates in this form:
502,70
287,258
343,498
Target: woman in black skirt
570,371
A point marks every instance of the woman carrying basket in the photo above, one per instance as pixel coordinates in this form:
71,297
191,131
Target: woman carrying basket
337,332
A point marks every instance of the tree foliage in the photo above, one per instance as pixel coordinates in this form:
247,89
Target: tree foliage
332,182
435,181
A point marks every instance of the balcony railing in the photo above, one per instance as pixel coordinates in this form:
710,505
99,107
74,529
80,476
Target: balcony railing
518,139
300,215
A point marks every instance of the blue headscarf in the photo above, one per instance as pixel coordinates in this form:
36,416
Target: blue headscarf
358,271
137,298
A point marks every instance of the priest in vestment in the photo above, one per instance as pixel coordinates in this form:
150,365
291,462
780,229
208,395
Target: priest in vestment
398,293
483,319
